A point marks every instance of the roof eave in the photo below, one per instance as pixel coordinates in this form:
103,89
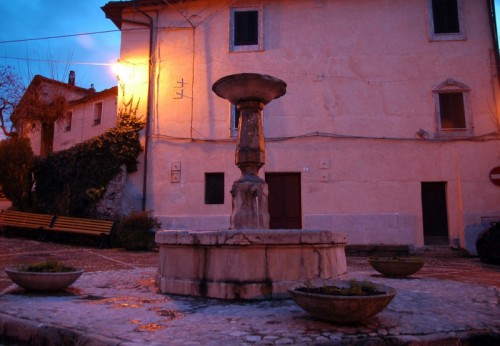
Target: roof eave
114,9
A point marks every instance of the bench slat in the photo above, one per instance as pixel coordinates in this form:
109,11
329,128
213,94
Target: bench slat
82,225
79,231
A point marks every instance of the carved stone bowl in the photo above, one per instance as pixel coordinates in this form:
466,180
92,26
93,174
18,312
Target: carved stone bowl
249,87
36,281
397,267
336,308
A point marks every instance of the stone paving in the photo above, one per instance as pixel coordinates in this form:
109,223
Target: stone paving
451,301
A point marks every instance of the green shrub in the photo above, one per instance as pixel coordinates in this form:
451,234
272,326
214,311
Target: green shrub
136,230
16,160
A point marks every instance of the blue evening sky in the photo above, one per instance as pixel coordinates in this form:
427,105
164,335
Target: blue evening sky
87,55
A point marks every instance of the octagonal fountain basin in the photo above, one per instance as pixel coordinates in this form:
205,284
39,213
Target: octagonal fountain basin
249,87
246,264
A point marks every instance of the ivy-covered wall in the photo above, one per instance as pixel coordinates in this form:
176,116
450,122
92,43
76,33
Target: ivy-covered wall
70,182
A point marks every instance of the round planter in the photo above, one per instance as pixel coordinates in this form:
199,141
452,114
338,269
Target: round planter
397,267
35,281
337,308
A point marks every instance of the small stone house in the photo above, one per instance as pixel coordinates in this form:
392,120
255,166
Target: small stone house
388,132
85,113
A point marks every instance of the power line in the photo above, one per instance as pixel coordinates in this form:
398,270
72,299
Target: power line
58,61
59,36
68,35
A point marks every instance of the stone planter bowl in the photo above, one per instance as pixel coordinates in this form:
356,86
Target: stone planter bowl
397,267
342,309
35,281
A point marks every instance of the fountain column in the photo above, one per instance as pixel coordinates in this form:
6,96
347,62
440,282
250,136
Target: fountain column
250,92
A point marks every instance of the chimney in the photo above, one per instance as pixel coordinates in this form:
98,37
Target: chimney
72,77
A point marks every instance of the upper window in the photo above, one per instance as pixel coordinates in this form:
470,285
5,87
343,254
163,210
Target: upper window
97,113
246,29
234,122
68,120
446,20
452,109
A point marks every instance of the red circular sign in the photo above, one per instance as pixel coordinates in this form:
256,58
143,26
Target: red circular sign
495,176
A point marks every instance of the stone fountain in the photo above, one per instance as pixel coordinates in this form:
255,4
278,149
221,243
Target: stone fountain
248,260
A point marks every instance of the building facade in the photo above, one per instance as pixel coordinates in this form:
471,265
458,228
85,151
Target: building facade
388,131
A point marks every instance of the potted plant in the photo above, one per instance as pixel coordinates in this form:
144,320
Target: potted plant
340,300
44,276
396,267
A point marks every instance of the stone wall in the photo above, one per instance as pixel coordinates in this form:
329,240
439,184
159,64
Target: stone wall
110,205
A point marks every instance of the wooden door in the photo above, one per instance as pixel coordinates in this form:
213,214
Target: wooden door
284,200
47,140
434,213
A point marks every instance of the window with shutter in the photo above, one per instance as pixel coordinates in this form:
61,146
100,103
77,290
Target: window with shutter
445,16
453,118
246,29
446,20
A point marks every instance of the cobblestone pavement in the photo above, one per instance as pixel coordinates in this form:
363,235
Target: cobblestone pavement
450,301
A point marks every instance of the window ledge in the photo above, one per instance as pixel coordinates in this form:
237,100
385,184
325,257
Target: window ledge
448,37
454,134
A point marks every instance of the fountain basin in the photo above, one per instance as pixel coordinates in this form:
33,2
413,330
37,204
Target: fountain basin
246,264
249,87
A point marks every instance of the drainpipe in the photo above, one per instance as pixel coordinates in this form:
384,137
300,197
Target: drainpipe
148,106
494,34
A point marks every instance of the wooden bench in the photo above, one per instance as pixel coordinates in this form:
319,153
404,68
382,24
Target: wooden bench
25,220
100,228
50,223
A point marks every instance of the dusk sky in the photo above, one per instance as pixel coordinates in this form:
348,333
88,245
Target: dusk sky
31,22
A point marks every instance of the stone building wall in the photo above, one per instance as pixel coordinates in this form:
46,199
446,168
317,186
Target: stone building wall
109,206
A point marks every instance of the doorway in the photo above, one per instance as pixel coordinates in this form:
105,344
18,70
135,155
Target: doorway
284,200
47,140
435,213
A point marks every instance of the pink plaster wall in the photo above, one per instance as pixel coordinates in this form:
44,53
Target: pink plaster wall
361,70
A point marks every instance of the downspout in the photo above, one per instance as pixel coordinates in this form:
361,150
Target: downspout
494,35
148,106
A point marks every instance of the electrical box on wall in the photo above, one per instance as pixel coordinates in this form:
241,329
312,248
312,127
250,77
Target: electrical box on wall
323,176
175,172
175,177
324,164
175,166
